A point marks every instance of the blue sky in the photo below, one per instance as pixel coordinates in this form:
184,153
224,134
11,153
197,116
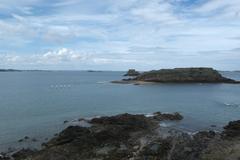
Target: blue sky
117,35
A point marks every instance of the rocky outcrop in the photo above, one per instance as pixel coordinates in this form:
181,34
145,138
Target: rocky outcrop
4,157
132,72
184,75
23,154
167,116
109,138
232,130
136,137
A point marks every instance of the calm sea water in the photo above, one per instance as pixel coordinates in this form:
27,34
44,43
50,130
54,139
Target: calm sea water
35,104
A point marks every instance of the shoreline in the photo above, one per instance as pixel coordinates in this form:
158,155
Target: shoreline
139,82
34,142
99,130
176,75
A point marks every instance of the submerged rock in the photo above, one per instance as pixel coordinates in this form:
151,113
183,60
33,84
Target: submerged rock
167,116
66,121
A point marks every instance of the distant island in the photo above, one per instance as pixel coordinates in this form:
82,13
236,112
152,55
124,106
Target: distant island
18,70
179,75
9,70
93,71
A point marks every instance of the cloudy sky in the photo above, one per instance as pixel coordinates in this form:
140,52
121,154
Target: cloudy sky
119,34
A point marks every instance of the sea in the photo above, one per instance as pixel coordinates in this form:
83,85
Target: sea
36,103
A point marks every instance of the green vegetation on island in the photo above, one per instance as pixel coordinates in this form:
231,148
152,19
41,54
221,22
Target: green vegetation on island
179,75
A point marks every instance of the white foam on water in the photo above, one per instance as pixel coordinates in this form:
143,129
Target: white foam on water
163,124
82,123
231,104
60,86
102,82
149,115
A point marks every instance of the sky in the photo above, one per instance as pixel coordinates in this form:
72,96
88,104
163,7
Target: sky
119,34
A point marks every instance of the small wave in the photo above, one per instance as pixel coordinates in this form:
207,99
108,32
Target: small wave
60,86
164,124
168,123
232,104
102,82
81,123
149,115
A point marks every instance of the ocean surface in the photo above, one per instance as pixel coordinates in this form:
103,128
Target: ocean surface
35,104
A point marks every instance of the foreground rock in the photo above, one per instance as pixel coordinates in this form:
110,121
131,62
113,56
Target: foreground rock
167,116
181,75
137,137
232,130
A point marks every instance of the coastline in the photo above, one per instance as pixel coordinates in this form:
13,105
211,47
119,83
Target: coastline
135,82
176,75
112,136
139,82
232,106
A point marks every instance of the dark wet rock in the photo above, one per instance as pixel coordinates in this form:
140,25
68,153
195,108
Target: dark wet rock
167,116
34,140
3,156
26,137
66,121
136,137
127,121
23,154
44,144
70,135
232,129
132,72
191,148
81,119
159,149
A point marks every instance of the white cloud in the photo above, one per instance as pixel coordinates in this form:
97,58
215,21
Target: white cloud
5,59
159,11
115,32
61,55
113,61
221,9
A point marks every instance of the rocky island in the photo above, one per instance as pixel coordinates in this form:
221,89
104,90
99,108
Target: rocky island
136,137
180,75
132,72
